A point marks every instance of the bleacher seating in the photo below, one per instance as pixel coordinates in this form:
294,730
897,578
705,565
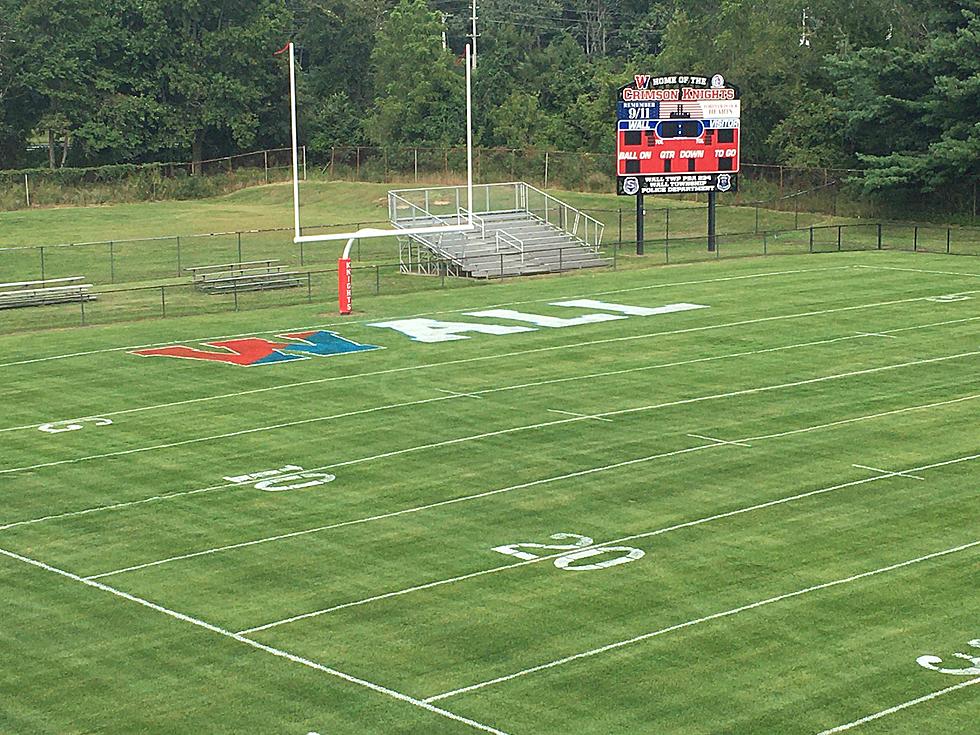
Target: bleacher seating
254,275
46,292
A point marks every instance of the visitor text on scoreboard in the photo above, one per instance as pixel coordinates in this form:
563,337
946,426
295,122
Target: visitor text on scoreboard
677,135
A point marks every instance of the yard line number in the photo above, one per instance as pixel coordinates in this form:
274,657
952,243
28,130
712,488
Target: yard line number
580,548
933,663
60,427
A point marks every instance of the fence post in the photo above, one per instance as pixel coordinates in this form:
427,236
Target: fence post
377,279
765,243
333,152
620,238
667,251
239,247
265,157
879,235
27,192
949,232
112,262
502,266
811,239
178,256
838,238
309,287
42,259
796,214
915,239
163,301
667,224
81,303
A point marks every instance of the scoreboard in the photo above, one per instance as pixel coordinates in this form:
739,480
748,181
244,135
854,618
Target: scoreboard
677,135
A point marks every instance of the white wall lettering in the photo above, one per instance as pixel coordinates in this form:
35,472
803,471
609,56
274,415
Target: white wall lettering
630,310
552,322
432,330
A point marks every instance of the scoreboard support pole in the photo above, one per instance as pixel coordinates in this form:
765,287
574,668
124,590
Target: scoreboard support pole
640,211
712,244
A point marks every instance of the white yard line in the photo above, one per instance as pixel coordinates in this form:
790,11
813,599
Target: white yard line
900,707
698,621
613,542
579,415
720,441
456,394
255,644
917,270
484,435
204,340
876,334
887,472
580,473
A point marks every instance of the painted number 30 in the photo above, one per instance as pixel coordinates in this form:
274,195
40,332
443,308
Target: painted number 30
580,549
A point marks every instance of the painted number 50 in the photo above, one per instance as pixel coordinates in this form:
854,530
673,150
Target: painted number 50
580,548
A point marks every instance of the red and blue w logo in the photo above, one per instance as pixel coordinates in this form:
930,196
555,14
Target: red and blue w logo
256,351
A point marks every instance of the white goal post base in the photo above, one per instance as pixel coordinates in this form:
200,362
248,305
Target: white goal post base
344,288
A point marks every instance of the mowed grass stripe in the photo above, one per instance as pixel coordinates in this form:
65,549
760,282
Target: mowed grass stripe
387,542
631,499
28,493
799,665
619,412
456,310
167,370
536,617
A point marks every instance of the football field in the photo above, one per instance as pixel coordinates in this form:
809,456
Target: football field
729,497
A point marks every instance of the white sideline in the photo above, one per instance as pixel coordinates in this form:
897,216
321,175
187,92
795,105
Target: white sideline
613,542
168,496
484,435
254,644
533,483
498,356
766,274
698,621
900,707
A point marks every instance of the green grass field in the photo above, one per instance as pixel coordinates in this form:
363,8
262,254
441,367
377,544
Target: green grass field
749,517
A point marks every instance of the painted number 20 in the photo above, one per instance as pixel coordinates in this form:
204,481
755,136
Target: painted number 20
580,548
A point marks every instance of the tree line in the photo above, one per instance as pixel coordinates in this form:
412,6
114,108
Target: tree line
890,87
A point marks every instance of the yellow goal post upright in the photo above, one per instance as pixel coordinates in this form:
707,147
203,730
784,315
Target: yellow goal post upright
464,224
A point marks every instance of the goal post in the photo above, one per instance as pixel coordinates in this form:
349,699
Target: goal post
464,224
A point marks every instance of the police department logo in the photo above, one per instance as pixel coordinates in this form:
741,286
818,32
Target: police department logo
631,186
724,182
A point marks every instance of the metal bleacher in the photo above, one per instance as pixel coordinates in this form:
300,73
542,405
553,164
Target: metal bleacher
519,230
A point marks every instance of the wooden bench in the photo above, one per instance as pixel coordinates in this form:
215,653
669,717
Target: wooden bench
43,293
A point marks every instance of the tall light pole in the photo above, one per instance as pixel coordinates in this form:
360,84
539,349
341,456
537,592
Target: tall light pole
473,33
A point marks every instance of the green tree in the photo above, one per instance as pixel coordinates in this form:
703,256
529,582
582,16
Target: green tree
207,73
420,96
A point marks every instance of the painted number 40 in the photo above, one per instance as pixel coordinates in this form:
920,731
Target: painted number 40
580,548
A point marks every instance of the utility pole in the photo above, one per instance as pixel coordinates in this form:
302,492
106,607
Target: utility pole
473,33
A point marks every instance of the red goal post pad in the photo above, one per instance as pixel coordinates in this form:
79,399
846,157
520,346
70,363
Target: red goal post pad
343,286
